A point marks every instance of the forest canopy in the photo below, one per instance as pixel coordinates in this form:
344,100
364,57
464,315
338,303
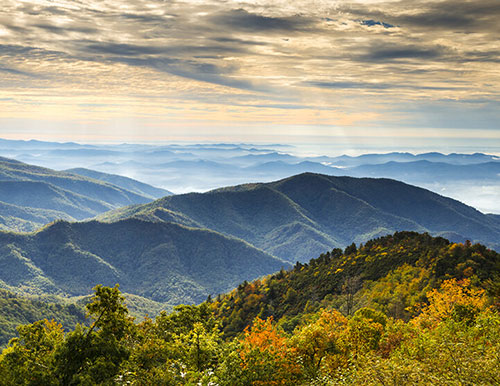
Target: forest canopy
428,316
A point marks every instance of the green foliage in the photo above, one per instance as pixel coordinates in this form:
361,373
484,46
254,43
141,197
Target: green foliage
44,355
93,355
451,335
16,310
391,274
28,358
444,344
183,347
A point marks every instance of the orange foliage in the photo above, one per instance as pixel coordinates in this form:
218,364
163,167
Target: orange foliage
264,337
265,351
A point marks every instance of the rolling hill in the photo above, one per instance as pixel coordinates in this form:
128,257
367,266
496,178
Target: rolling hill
26,219
31,196
299,217
164,262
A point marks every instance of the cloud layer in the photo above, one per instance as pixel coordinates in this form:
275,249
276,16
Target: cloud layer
201,68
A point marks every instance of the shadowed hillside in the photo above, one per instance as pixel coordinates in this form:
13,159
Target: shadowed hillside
299,217
159,261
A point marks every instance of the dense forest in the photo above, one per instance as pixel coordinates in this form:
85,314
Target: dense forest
17,309
299,217
401,309
391,274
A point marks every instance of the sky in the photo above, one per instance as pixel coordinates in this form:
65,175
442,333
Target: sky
366,73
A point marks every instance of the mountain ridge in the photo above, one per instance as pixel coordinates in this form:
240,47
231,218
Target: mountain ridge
345,209
392,274
31,196
164,262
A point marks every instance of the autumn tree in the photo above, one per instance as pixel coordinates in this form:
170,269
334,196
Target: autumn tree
319,341
265,356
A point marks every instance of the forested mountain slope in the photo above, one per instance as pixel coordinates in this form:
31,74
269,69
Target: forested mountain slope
405,309
391,274
31,196
159,261
25,219
299,217
16,310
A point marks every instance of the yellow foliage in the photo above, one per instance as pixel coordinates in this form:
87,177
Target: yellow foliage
321,343
442,302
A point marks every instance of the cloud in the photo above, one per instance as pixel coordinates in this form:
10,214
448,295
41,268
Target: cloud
191,69
238,42
482,56
242,20
324,61
16,72
58,30
121,49
467,15
394,52
27,52
460,15
184,61
375,86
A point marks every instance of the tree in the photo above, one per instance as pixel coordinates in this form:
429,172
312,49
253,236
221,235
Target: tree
458,300
350,286
198,349
95,354
365,330
266,357
29,359
350,249
318,340
177,348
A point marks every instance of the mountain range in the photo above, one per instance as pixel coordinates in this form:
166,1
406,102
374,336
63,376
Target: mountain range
185,167
421,170
32,196
182,248
299,217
